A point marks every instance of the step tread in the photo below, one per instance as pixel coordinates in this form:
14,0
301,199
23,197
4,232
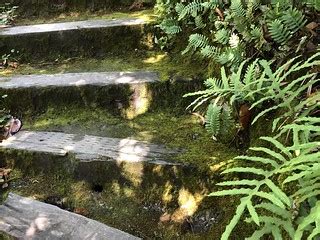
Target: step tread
69,26
89,148
25,218
77,79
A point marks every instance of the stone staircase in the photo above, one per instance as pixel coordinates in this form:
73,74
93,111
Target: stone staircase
91,38
148,168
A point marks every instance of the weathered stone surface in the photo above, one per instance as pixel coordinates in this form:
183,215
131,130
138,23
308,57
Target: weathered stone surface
68,26
77,79
88,148
25,218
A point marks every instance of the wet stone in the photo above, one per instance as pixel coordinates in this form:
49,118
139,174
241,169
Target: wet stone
24,218
77,79
68,26
89,148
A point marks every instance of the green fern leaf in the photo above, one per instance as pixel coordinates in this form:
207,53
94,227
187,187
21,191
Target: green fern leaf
270,152
308,220
271,197
240,191
222,36
278,31
239,182
275,210
253,213
278,192
237,9
252,170
262,160
191,9
293,20
213,119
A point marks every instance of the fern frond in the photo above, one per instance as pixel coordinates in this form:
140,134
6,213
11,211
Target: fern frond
199,22
227,121
275,210
198,40
262,160
278,31
237,9
222,36
313,217
210,51
213,119
293,19
191,9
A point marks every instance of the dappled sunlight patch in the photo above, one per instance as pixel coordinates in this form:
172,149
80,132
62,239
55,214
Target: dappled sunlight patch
155,59
80,191
158,169
133,172
115,187
41,223
218,167
188,205
128,192
167,196
139,102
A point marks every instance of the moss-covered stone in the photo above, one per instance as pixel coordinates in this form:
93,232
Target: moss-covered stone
50,7
97,42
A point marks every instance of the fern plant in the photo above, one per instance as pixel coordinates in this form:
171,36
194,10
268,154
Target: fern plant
272,27
264,197
266,200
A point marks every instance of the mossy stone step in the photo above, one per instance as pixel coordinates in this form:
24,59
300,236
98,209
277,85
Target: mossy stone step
24,218
89,148
125,93
91,38
77,79
68,26
128,94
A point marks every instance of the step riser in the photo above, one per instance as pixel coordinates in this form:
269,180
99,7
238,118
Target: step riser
123,99
43,7
144,180
99,42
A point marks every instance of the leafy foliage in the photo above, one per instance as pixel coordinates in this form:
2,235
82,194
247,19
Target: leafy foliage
7,14
234,30
265,200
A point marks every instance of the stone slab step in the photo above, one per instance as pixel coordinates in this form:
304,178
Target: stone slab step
125,93
77,79
91,38
68,26
24,218
89,148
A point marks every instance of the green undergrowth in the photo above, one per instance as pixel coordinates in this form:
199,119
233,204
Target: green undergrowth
113,209
147,15
183,132
169,66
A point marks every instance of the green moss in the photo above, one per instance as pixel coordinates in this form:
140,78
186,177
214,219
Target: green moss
160,127
169,66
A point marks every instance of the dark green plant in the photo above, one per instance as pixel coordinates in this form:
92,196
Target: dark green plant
263,89
7,14
279,185
233,30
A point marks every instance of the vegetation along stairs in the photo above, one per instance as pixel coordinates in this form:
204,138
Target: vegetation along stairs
111,180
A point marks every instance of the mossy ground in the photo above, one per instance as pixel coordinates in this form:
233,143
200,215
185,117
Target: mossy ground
169,66
128,211
176,131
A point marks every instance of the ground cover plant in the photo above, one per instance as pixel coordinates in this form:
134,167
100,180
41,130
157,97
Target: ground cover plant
269,57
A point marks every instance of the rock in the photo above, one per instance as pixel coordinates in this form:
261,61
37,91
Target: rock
24,218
